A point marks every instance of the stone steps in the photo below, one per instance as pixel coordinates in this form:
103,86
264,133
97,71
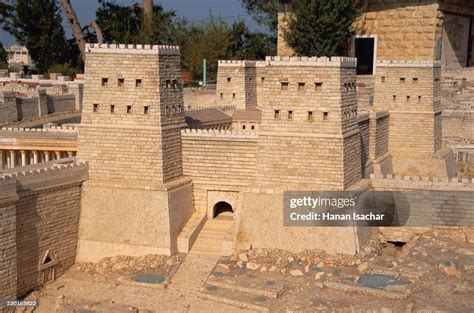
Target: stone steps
212,236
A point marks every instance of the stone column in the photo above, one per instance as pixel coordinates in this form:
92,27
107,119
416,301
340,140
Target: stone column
12,159
35,156
58,154
1,159
70,154
23,157
46,156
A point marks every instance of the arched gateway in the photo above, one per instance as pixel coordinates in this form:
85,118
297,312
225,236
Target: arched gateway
220,208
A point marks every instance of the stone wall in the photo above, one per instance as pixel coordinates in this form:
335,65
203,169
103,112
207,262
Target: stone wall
237,84
62,103
200,97
459,74
218,160
45,208
364,129
136,105
8,249
14,108
32,107
8,107
405,30
458,126
261,226
432,202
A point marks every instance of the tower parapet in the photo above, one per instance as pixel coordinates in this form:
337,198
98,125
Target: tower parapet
132,49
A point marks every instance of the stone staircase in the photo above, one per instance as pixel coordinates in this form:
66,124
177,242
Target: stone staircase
213,240
216,237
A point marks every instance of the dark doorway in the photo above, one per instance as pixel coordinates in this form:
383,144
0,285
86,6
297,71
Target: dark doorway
365,53
221,207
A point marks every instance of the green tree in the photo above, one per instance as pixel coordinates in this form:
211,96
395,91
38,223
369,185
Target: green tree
321,27
264,12
127,24
37,24
3,58
216,40
65,69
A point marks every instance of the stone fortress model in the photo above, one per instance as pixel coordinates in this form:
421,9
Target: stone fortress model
148,174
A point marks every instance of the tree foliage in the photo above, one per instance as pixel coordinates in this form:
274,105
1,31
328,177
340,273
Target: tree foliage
264,12
216,40
126,24
65,69
3,57
37,24
321,27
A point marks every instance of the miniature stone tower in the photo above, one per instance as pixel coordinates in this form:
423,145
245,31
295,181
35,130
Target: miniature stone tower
308,140
309,123
136,200
410,90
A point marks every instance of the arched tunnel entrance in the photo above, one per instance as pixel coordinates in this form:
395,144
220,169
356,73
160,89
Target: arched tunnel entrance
222,208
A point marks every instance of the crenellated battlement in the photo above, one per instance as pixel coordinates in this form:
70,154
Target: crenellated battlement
311,61
293,61
417,182
216,133
51,176
49,170
8,94
409,63
240,63
132,49
40,130
219,107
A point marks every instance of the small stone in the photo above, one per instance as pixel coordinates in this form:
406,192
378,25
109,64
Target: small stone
363,267
448,268
306,268
394,264
273,268
223,266
296,273
243,257
321,264
465,251
283,271
240,263
319,285
263,269
358,261
291,259
318,275
133,309
119,267
169,262
60,297
252,266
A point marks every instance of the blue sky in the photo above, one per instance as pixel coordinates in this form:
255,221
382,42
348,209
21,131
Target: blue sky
193,10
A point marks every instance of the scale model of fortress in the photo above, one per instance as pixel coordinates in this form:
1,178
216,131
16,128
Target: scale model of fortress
148,174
